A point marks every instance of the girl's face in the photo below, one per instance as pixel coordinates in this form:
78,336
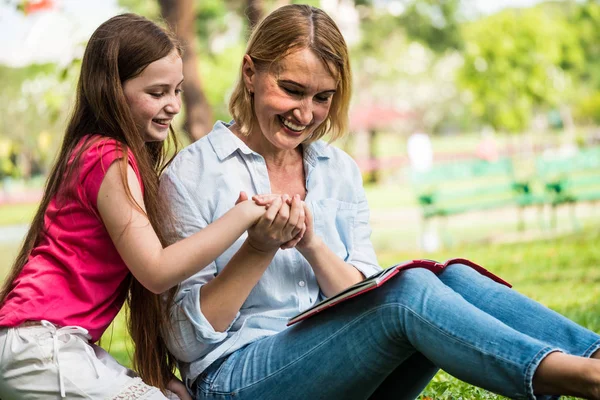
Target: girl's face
292,99
154,96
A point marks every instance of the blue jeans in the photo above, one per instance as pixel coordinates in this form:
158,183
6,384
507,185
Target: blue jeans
388,343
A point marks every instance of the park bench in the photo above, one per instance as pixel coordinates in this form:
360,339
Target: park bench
453,188
570,178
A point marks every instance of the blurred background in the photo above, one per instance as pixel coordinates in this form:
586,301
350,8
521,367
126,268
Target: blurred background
475,123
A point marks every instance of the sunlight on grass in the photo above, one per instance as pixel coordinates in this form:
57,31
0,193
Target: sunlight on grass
17,214
9,253
562,274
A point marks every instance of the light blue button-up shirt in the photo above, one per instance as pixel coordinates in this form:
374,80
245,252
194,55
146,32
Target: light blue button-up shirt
202,183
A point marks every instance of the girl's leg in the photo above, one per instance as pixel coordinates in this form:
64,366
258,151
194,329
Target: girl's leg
35,366
348,351
520,312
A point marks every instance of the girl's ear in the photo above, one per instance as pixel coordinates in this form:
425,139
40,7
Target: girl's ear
248,73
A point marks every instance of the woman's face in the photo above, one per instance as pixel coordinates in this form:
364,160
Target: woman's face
292,99
154,96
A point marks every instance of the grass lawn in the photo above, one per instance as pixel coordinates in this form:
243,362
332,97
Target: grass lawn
562,273
17,214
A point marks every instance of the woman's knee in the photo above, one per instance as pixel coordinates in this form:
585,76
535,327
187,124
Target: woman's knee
460,274
415,284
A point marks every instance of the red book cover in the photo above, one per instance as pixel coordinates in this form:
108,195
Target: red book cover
378,279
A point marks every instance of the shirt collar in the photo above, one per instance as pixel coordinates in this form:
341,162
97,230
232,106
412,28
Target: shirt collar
225,143
315,151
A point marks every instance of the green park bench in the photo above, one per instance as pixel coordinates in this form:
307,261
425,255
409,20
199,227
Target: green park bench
472,185
570,178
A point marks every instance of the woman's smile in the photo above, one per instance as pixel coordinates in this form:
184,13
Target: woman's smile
291,100
291,127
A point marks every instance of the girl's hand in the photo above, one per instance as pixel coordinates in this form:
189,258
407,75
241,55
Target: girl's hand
254,209
178,389
266,199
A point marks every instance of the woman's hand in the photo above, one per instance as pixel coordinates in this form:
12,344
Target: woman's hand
308,238
282,223
266,199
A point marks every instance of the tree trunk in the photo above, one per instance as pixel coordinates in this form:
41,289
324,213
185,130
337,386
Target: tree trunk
254,12
180,16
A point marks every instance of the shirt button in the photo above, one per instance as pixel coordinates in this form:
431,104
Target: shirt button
301,283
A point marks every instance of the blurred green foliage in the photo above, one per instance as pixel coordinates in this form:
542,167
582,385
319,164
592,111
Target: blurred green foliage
518,61
435,23
451,70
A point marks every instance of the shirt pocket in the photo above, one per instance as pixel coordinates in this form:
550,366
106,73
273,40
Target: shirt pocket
333,222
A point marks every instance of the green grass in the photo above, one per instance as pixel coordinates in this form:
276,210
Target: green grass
9,253
17,214
562,273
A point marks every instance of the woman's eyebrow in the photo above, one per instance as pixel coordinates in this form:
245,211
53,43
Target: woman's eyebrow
301,86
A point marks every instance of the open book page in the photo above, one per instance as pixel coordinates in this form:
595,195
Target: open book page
381,277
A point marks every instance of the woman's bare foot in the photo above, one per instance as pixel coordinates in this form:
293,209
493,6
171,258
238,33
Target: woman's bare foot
563,374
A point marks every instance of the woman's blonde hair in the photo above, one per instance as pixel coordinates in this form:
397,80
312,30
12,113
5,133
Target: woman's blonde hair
292,28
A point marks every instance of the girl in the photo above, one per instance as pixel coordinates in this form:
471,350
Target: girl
94,244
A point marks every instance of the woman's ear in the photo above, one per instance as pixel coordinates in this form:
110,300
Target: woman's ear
248,73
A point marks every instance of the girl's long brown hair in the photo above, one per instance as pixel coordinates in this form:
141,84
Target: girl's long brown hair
118,50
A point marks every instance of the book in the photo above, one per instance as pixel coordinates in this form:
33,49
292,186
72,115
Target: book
379,278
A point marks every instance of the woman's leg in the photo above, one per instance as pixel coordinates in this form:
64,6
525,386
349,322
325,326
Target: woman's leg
349,350
412,376
520,312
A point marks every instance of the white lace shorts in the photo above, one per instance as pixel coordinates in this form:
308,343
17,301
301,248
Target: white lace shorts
45,362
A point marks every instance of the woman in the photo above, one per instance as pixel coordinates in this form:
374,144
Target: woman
231,337
93,243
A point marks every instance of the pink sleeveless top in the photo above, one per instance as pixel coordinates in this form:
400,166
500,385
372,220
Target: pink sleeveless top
74,276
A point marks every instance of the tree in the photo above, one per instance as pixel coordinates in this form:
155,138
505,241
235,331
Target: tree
180,15
435,23
254,12
413,73
518,62
585,20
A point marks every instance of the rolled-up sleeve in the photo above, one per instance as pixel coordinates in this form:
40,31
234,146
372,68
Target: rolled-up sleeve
193,336
362,255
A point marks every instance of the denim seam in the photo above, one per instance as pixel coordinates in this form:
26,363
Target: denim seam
214,377
328,339
592,349
532,367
